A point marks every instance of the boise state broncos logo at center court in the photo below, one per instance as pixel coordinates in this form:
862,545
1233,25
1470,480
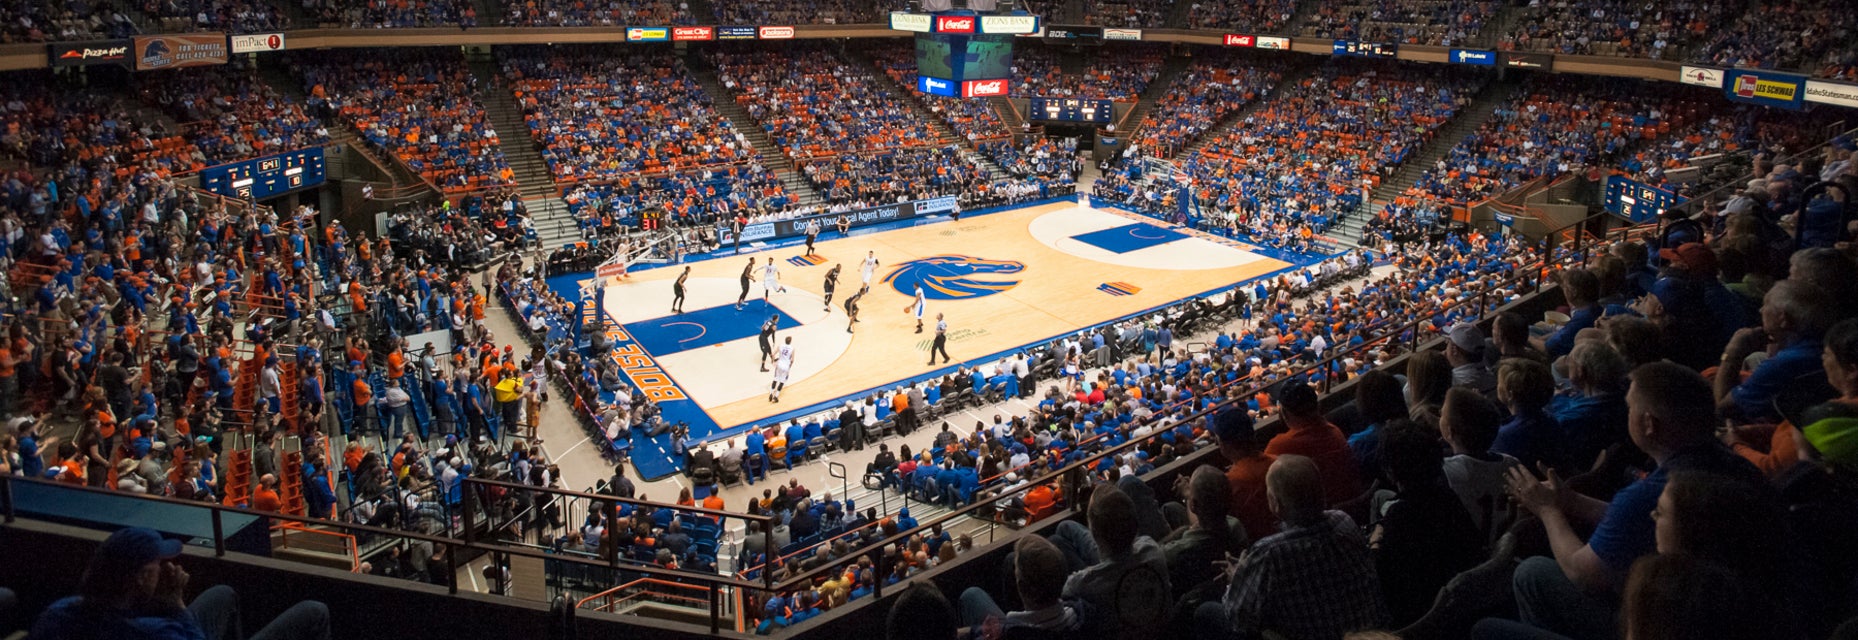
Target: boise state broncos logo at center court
951,277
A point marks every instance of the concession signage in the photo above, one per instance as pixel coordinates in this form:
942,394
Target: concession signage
78,54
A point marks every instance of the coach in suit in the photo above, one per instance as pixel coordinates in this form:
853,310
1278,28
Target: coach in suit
851,429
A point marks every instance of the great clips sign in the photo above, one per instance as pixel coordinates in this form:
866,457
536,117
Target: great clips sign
955,24
983,88
693,33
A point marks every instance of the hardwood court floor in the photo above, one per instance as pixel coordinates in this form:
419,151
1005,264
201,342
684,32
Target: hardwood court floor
1070,267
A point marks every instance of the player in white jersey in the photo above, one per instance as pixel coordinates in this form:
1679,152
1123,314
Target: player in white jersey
783,365
918,305
771,280
870,266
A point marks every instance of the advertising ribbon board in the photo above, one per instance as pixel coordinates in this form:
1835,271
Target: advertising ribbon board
176,51
1767,88
84,54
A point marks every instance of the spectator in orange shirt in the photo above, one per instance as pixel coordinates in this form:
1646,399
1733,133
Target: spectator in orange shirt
1309,434
264,498
1244,449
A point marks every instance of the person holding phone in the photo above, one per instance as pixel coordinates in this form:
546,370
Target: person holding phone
134,588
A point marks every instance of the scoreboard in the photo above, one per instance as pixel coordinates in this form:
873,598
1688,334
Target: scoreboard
261,178
1071,110
1365,49
1637,201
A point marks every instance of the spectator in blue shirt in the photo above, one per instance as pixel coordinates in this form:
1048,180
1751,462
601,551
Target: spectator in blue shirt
1582,291
31,460
133,589
1530,435
1575,592
1595,417
1794,316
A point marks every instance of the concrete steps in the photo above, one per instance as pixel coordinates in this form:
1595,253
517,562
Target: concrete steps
1237,118
772,157
1462,125
519,148
1138,115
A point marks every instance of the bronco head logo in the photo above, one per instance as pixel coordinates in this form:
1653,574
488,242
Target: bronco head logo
949,277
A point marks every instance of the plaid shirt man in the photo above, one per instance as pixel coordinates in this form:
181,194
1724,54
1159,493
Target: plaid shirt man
1315,581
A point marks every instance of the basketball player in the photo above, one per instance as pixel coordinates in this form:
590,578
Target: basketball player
870,267
832,282
767,340
771,281
783,365
812,234
748,275
677,291
845,225
941,340
917,305
851,307
955,212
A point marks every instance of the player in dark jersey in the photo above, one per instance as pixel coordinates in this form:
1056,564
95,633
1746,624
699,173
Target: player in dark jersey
677,291
748,275
851,307
832,283
767,339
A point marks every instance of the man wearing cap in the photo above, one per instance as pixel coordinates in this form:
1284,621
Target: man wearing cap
1465,351
1246,476
134,589
1696,304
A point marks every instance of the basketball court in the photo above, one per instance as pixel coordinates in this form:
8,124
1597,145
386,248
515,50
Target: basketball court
1003,280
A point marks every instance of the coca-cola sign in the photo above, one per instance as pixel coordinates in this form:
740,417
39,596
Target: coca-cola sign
983,88
954,24
1237,40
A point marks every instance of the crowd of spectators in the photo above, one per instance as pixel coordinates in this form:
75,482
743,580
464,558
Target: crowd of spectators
230,114
1786,34
811,103
762,12
1215,85
601,114
64,20
1133,14
393,14
51,122
232,16
896,175
1613,27
1041,158
701,196
1445,23
1305,158
1119,73
417,105
972,119
1684,430
1255,16
598,13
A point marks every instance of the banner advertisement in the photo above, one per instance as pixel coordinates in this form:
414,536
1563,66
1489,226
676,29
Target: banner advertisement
1239,40
1701,76
1270,42
682,34
174,52
776,33
735,33
935,205
258,43
983,88
915,22
1015,25
955,24
1122,34
81,54
1474,57
1820,91
1782,90
648,34
936,86
1515,60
